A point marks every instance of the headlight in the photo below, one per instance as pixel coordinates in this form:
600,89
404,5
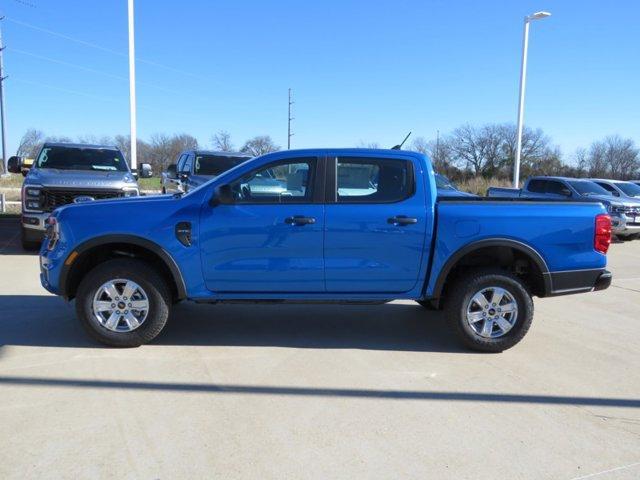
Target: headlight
32,197
52,232
130,192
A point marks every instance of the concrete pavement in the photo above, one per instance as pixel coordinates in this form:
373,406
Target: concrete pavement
320,391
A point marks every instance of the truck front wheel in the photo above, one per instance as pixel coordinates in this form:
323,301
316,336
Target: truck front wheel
490,310
123,303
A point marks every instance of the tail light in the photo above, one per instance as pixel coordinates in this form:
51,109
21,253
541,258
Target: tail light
602,237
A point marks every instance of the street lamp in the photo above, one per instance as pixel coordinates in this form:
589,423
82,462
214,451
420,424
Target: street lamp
132,89
523,75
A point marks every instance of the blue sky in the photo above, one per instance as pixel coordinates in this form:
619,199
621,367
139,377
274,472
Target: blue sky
361,71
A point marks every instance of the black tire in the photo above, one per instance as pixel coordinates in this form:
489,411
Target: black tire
466,286
147,277
427,304
28,245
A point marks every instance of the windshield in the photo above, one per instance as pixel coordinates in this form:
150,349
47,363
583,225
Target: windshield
584,187
443,183
78,158
216,164
630,189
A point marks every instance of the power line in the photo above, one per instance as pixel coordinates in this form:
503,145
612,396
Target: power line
100,47
99,72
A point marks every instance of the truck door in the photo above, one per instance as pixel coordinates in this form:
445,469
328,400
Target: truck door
376,223
270,238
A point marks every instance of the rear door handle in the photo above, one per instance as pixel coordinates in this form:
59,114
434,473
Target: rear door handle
402,220
299,220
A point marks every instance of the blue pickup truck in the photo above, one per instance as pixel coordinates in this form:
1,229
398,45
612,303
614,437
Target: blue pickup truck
360,226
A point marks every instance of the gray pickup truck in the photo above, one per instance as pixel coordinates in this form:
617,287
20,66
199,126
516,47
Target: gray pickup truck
195,167
64,173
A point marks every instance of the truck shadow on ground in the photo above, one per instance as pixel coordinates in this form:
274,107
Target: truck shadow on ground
48,321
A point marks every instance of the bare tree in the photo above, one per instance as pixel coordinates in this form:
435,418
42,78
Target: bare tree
30,143
374,145
259,145
476,148
614,157
222,141
438,151
164,149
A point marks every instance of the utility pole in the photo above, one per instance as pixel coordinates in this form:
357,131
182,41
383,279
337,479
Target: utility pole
289,134
2,109
132,91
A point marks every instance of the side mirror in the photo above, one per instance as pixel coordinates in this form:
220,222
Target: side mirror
616,193
15,164
223,195
145,170
172,171
566,192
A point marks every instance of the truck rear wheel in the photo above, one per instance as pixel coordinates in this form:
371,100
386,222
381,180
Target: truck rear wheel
123,303
490,310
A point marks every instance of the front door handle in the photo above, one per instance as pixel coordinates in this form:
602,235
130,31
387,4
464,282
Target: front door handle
402,220
299,220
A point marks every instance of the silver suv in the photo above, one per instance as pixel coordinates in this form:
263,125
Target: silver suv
66,173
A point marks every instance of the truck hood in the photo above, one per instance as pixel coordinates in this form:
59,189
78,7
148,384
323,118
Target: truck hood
85,179
137,204
611,200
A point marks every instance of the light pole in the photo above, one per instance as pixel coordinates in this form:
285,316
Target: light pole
132,90
523,79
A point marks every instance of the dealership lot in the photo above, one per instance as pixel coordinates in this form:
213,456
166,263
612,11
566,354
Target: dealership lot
319,391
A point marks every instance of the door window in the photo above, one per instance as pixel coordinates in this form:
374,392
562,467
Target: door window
537,186
373,180
180,163
290,181
607,187
555,188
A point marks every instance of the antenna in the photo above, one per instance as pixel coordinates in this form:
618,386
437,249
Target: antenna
399,147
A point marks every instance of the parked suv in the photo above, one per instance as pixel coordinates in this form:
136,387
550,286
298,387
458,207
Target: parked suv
64,173
625,212
195,167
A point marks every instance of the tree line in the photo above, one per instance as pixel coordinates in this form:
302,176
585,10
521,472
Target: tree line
160,150
486,151
489,152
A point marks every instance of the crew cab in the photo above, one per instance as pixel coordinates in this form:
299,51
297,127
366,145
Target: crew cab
65,173
350,226
625,212
195,167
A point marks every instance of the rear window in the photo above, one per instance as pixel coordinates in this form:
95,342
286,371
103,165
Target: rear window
373,180
216,164
78,158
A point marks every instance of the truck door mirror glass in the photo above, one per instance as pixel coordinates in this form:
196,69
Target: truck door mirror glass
223,195
566,192
14,165
172,171
145,170
616,193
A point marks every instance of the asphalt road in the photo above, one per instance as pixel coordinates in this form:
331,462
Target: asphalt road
320,391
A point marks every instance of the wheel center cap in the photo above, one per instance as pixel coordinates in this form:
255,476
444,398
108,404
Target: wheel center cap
121,305
492,311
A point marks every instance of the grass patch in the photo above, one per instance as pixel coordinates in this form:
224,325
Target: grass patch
152,183
14,180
